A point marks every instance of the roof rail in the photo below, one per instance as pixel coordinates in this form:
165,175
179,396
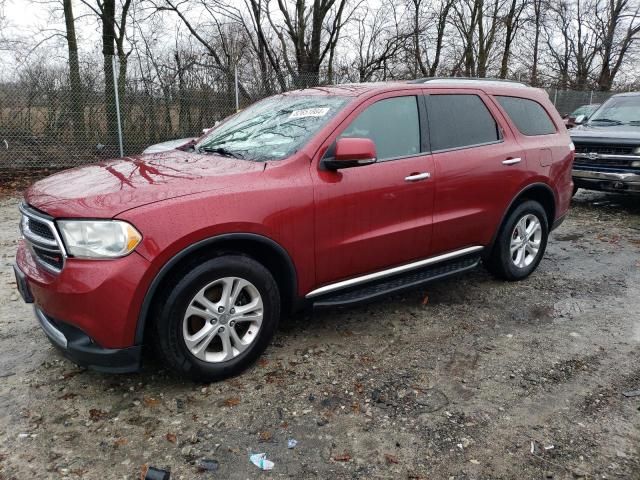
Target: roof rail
470,79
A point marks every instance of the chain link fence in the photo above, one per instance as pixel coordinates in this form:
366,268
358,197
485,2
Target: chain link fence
46,124
566,101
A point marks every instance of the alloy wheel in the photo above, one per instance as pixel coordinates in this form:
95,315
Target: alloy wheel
526,239
223,319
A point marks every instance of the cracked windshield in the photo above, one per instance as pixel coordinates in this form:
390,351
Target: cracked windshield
272,129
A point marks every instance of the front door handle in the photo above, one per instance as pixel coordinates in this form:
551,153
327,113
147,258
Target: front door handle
511,161
415,177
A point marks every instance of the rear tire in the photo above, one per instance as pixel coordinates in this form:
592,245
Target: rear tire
217,318
521,242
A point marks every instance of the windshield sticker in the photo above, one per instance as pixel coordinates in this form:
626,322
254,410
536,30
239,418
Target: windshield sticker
310,112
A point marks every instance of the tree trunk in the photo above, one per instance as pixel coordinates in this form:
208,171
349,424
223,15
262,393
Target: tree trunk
76,97
537,6
108,50
509,34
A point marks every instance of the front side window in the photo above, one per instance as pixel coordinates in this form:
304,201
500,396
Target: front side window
272,129
460,120
618,111
529,116
393,124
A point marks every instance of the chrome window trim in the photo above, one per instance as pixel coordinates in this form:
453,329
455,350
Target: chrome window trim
41,242
332,287
464,147
606,156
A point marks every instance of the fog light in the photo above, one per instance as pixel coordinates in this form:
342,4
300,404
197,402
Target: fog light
636,164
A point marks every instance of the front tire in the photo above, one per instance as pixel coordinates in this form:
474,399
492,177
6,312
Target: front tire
521,242
218,318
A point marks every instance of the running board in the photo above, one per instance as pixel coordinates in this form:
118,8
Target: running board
371,290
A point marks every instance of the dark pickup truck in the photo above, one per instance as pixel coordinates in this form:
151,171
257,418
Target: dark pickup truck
608,147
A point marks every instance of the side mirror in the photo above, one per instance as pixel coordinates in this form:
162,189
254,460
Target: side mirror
351,152
580,119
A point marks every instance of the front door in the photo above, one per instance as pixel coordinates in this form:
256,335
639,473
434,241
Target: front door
377,216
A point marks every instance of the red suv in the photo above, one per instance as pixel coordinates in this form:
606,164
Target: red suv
319,197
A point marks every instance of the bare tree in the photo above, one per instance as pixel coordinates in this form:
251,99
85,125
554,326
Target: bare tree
618,28
311,38
538,19
378,40
114,33
559,51
429,27
513,21
76,98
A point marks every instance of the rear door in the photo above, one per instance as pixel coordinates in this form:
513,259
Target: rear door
478,164
376,216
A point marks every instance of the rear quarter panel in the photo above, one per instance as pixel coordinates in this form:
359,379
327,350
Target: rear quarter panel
549,157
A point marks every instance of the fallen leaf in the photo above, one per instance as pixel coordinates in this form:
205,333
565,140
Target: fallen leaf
265,436
97,414
68,396
231,402
345,457
143,471
425,300
150,401
355,407
390,458
119,442
263,362
71,374
171,437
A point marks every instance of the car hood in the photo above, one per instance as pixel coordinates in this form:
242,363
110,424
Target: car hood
622,133
107,189
170,145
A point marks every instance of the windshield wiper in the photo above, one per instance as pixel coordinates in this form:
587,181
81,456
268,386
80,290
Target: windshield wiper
222,151
634,122
606,120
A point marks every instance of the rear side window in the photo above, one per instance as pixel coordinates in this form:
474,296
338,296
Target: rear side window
528,115
460,120
393,124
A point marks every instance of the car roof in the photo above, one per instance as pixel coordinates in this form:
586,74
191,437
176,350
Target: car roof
627,94
490,86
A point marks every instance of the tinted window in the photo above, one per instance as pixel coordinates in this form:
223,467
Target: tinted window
460,120
529,116
393,124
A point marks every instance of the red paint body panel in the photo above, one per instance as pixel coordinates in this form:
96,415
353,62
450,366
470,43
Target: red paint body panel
333,224
97,296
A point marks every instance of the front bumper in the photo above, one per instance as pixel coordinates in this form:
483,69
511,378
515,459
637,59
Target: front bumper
101,298
607,181
82,350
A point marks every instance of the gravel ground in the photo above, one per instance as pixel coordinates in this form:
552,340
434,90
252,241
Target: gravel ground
462,379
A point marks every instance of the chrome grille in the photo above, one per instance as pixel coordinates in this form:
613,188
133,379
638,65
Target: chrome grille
604,149
606,156
40,229
41,236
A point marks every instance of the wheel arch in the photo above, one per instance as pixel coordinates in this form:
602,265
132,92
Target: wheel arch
539,192
262,249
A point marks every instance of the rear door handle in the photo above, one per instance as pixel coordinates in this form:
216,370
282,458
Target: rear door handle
511,161
415,177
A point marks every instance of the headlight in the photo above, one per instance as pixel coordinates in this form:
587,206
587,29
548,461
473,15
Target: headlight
98,238
636,151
